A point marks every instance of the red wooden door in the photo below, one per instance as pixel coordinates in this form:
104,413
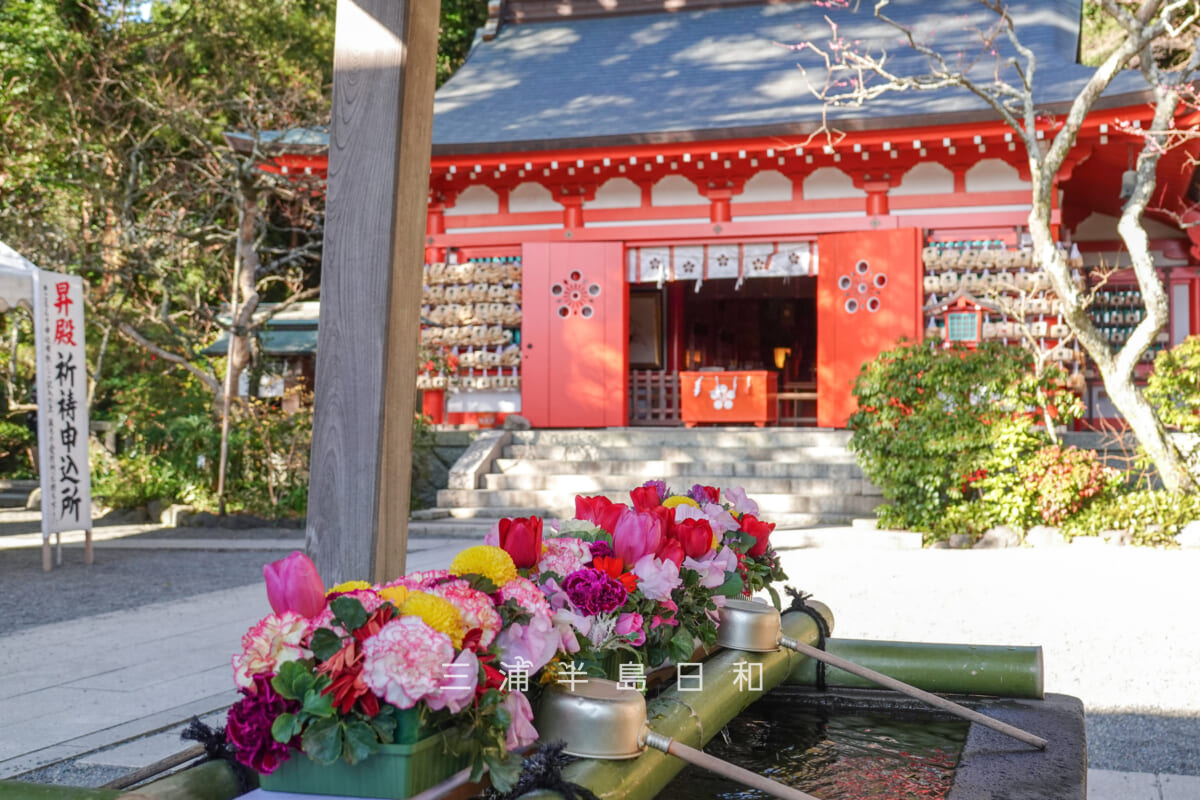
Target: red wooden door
869,295
574,340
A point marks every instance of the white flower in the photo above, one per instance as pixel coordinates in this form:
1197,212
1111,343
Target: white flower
722,397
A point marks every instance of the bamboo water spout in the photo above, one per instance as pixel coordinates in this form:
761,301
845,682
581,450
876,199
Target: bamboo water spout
755,627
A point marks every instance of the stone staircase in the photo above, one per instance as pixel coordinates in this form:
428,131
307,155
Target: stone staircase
798,476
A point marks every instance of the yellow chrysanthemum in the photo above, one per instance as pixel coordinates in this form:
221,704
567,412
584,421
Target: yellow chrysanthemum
396,595
439,614
680,500
486,560
348,586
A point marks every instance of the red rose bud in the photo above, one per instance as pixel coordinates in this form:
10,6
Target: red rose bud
761,531
294,585
645,498
671,550
521,538
695,535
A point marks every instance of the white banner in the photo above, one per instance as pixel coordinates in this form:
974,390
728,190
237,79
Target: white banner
62,404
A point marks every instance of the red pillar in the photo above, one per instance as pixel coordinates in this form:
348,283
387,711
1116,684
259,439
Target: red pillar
720,210
435,225
676,337
877,198
572,212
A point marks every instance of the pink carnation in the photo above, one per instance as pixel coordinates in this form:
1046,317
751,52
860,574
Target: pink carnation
564,555
421,580
406,661
476,608
370,600
276,639
527,595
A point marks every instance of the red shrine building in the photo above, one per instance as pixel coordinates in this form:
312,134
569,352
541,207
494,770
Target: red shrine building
630,221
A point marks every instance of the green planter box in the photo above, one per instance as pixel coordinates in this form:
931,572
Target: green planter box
396,771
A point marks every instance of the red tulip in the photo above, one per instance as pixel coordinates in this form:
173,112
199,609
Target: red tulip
645,498
600,511
761,531
293,584
695,535
521,538
671,550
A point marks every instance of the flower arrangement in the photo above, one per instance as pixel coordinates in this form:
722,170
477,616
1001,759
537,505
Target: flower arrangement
641,583
335,675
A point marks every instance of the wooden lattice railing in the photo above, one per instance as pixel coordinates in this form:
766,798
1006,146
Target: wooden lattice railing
653,397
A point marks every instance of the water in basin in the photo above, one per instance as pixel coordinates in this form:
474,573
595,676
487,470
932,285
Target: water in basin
832,754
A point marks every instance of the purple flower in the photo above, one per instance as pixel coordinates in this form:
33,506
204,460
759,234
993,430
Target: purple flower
657,578
630,624
594,592
248,726
659,487
602,549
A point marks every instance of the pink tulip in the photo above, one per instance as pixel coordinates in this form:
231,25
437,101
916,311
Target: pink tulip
635,535
293,584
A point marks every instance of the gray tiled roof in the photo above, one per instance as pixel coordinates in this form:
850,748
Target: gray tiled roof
720,72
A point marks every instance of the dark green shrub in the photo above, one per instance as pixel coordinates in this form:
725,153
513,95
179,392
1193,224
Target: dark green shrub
931,418
17,444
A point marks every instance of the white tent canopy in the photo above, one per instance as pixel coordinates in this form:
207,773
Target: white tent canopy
56,304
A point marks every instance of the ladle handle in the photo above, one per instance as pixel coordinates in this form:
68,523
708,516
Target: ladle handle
724,768
912,691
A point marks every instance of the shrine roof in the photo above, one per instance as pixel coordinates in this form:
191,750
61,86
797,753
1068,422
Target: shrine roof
712,73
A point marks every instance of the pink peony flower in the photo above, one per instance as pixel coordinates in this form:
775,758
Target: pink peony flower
405,661
630,624
564,556
293,584
636,534
248,726
458,687
521,732
656,578
535,642
276,639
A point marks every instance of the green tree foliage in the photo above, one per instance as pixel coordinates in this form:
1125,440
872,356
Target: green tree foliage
932,419
460,20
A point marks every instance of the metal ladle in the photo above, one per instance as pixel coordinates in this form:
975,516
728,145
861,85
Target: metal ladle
597,719
756,628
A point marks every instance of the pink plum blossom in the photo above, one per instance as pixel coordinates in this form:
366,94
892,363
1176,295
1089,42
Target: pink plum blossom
656,578
405,661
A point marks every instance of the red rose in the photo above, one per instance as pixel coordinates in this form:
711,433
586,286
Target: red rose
645,498
761,531
695,535
521,538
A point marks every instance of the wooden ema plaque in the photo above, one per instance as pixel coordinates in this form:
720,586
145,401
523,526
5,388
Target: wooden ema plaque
735,396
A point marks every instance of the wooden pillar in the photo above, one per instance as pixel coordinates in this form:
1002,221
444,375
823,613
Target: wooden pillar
676,336
383,81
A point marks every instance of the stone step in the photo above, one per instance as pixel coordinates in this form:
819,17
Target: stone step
10,499
694,453
503,503
637,472
491,513
451,528
588,483
700,437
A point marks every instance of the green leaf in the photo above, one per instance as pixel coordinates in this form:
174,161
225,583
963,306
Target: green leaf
360,741
504,771
384,724
732,587
292,680
349,613
682,646
322,740
325,644
284,728
317,704
482,584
